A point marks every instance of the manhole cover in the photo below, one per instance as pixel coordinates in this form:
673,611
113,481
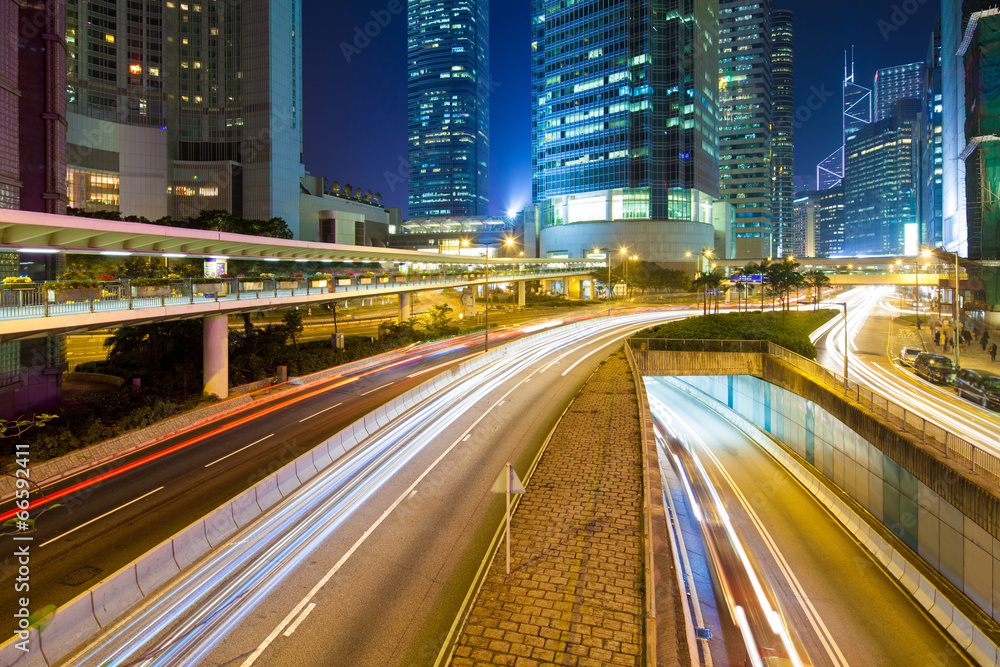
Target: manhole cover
80,575
703,633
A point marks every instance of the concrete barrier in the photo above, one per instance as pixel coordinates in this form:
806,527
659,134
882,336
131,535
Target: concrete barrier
982,649
113,596
304,467
190,544
287,481
71,625
11,655
267,492
245,507
219,525
156,567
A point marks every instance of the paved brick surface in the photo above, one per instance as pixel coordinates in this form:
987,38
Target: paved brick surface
574,595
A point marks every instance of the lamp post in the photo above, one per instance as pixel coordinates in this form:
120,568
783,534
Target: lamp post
607,255
509,242
844,305
624,251
958,313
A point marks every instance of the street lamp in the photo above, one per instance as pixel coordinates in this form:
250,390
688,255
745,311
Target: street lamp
607,255
509,242
844,305
958,314
624,251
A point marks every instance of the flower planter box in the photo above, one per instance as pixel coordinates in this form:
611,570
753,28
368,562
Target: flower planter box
74,294
288,284
365,281
317,283
209,288
400,279
150,291
252,286
20,286
343,281
384,280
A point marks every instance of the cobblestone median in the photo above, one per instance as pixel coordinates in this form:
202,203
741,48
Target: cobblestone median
575,592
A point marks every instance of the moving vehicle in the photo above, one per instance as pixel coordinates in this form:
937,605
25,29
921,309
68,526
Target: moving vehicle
908,355
935,367
981,387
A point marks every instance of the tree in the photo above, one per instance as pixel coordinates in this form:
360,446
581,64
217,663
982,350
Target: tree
438,321
378,197
167,356
817,280
335,187
292,321
368,195
348,189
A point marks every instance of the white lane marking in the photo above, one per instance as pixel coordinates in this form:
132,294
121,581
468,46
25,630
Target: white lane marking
100,517
822,632
302,617
447,363
466,437
372,391
321,412
371,529
237,451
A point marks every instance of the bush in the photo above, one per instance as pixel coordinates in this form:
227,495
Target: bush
790,330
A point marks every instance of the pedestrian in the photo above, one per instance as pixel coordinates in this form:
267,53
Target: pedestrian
937,337
985,340
967,336
993,352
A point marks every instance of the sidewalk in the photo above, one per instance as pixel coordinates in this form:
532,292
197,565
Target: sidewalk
972,356
575,592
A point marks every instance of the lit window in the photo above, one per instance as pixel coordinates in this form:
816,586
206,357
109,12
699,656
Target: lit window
109,38
135,69
209,192
154,71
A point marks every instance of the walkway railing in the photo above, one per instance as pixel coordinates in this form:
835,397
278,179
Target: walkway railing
967,454
31,300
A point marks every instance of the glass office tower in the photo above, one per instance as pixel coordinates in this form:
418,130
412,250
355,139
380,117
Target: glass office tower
783,128
896,83
448,99
745,126
624,126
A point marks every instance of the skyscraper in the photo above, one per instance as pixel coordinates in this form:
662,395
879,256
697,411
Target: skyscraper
745,131
931,153
783,128
896,83
180,107
624,134
880,185
857,102
448,100
830,221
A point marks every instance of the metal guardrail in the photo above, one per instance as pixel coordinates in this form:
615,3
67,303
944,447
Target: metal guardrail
966,454
31,300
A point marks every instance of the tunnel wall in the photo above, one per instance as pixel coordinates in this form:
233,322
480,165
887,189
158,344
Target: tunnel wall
923,513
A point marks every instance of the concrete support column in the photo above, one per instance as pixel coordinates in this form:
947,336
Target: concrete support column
215,344
405,310
522,288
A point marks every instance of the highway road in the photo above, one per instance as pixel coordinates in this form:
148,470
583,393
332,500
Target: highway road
870,363
370,562
837,604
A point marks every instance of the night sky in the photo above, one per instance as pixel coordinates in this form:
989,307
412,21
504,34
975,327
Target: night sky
355,112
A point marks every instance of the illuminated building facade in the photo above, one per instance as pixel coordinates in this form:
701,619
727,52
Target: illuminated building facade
896,83
625,126
746,132
782,129
179,107
448,99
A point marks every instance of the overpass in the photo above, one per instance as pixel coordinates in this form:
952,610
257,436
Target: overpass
858,271
32,313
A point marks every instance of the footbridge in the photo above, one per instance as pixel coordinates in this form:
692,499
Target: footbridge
32,311
924,502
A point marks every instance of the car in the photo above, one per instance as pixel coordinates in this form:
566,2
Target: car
908,355
934,367
982,387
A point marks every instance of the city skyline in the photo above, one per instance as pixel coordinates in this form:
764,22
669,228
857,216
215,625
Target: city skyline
355,99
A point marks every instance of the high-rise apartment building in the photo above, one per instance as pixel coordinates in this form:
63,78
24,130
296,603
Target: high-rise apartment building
782,129
179,107
745,128
448,100
806,226
624,126
880,185
896,83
